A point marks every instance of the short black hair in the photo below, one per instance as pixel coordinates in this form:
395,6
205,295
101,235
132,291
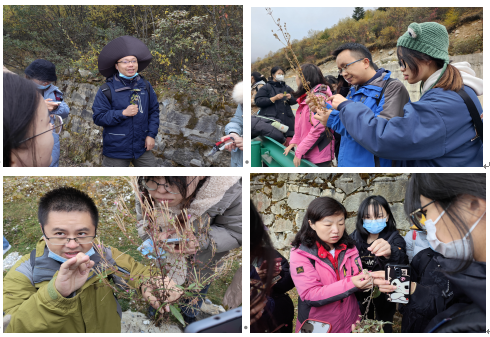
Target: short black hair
66,199
357,49
377,201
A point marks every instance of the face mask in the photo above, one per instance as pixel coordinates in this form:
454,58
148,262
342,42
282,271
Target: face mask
128,78
374,226
42,87
458,249
58,258
279,78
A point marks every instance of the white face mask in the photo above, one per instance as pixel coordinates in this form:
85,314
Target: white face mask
279,78
458,249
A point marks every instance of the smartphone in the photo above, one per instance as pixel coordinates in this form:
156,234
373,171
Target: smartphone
399,276
226,322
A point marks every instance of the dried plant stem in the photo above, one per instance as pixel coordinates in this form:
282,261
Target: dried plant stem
295,64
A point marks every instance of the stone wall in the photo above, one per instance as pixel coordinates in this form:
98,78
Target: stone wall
282,199
389,61
187,130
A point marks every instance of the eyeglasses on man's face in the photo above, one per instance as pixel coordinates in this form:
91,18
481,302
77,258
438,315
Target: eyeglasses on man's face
81,240
128,62
57,123
344,68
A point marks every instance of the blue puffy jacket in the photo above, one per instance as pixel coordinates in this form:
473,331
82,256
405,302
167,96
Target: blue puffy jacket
437,130
62,110
236,125
353,153
124,137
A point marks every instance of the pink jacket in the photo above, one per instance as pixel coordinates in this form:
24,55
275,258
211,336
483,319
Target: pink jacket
326,293
306,134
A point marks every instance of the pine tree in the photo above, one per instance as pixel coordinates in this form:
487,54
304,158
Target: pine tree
358,13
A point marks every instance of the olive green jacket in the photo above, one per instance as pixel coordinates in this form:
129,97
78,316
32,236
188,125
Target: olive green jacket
29,295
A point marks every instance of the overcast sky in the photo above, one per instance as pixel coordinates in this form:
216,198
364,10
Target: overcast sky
299,20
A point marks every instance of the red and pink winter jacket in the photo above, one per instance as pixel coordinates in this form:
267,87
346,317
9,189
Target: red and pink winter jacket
307,133
326,292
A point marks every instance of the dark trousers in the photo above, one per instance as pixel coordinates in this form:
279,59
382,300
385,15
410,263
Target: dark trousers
147,159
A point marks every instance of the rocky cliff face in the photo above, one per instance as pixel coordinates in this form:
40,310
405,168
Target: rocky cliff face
282,199
187,130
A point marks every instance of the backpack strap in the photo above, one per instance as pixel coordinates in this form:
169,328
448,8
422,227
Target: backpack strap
312,262
475,115
381,94
106,91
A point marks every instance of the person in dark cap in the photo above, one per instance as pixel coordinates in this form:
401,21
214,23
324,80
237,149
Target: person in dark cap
43,74
126,105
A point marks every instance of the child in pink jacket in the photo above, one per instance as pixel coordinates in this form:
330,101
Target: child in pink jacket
310,138
326,269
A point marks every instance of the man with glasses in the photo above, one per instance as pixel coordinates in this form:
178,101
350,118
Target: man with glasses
374,88
55,289
43,74
126,105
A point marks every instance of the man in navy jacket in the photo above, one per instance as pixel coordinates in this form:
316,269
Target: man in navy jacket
127,107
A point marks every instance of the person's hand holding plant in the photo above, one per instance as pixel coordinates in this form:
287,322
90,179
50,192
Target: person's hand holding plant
173,292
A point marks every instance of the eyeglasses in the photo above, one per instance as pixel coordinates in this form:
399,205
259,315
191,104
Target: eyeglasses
152,185
128,62
82,240
341,70
58,126
402,64
419,216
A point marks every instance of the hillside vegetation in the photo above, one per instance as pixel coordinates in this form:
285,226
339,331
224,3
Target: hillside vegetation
194,48
378,29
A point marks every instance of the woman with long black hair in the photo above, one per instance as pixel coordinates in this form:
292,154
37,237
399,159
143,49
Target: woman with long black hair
310,139
27,140
448,291
271,308
378,243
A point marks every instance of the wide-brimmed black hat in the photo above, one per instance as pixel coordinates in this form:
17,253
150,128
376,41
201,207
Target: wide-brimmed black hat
121,47
42,70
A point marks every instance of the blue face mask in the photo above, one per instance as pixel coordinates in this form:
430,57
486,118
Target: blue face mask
128,78
58,258
374,226
42,87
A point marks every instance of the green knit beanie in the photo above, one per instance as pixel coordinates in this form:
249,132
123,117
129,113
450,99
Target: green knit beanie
430,38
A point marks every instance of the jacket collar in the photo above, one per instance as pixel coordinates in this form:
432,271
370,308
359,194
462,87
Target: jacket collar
121,84
45,267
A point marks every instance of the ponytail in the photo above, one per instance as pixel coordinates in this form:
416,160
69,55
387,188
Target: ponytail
450,80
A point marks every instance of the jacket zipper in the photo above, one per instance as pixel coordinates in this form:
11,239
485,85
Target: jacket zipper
117,134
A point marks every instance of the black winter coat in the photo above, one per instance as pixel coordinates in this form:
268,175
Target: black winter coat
280,109
434,293
375,263
262,127
467,293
